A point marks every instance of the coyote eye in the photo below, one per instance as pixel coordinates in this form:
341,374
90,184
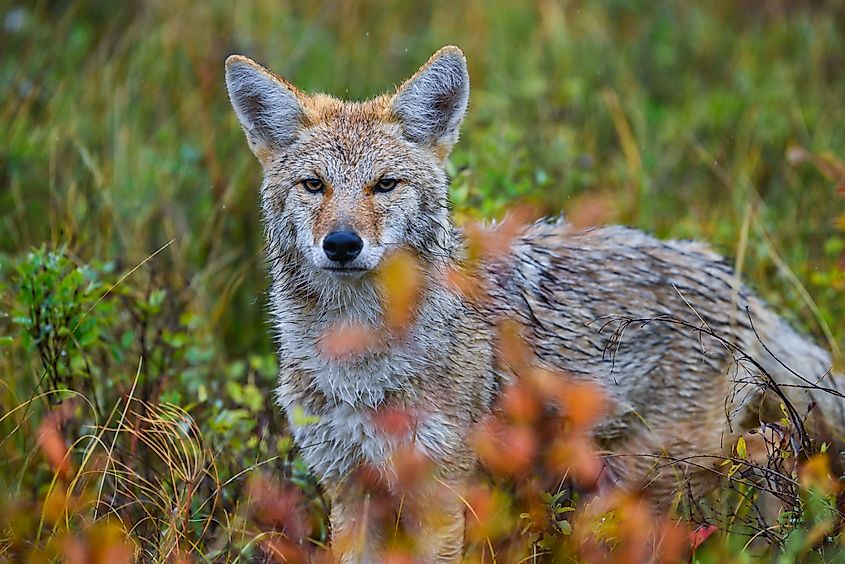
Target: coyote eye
313,185
385,185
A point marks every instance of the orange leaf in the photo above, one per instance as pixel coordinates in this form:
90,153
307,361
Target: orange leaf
276,506
548,385
412,467
282,549
394,421
471,287
672,541
401,284
591,210
584,404
487,515
52,442
495,241
575,455
346,341
57,503
815,474
520,404
505,449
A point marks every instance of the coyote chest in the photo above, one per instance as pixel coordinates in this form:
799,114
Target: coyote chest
333,405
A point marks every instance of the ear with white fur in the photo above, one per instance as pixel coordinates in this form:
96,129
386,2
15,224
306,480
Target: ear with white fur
269,108
431,104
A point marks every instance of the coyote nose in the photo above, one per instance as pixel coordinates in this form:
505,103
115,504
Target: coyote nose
342,246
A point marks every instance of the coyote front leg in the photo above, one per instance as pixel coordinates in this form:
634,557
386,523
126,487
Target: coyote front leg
354,537
361,528
442,531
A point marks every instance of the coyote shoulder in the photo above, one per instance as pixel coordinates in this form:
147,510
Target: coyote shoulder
681,349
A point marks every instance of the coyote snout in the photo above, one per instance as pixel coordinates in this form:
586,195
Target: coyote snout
342,247
344,253
337,219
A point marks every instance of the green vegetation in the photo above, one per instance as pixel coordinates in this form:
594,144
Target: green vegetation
132,280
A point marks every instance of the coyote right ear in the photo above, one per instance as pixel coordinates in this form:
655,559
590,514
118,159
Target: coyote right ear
269,108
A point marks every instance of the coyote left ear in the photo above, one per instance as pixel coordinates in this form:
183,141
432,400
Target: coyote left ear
431,104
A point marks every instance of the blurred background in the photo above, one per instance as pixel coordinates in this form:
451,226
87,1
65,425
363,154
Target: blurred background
129,196
119,137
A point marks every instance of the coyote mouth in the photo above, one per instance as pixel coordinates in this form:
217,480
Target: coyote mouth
345,270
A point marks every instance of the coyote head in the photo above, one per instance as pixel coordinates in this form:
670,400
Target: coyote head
346,182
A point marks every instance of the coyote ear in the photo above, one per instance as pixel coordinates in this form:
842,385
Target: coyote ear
431,104
269,108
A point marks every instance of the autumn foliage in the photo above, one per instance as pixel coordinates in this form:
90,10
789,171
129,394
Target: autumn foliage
131,233
542,491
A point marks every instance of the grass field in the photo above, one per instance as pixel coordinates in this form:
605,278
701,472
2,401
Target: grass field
133,326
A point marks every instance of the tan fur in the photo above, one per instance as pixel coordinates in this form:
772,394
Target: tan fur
660,326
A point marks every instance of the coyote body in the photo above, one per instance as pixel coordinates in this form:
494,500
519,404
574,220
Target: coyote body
678,345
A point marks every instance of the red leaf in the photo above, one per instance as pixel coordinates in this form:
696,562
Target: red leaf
701,534
346,341
394,421
505,449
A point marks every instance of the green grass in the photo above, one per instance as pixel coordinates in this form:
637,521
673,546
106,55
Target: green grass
118,140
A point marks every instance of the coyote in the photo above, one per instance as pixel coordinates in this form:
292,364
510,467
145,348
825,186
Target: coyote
687,356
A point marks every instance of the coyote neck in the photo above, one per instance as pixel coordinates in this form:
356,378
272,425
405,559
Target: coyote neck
309,312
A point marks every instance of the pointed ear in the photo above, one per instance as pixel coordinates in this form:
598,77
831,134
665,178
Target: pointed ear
270,109
431,104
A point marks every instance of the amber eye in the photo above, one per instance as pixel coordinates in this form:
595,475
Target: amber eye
385,185
313,185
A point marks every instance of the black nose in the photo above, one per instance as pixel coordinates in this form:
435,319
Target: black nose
342,246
